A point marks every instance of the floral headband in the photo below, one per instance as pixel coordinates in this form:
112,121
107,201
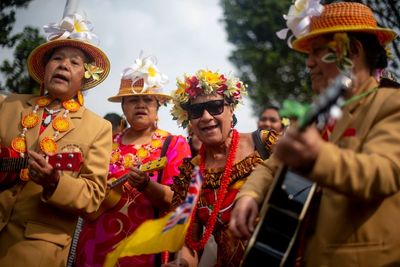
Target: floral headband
204,82
76,27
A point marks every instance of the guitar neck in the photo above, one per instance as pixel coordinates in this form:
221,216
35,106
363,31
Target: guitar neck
153,165
13,164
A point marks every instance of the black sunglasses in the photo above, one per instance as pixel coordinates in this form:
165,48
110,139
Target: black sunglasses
214,107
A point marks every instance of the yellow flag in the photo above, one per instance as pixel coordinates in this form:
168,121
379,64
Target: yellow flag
149,238
164,234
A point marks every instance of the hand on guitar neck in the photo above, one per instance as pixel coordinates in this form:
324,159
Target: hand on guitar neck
138,178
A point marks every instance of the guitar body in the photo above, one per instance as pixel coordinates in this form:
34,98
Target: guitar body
115,190
282,214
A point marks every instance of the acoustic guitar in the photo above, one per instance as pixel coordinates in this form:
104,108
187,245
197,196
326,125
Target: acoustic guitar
115,190
11,164
287,202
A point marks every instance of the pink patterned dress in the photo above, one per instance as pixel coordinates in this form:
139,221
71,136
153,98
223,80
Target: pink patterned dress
101,236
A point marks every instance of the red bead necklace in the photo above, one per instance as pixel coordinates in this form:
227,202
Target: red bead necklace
199,245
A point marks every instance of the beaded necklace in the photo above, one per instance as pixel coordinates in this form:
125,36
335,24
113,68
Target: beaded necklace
199,245
48,144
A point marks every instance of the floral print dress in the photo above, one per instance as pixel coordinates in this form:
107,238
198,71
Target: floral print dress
101,236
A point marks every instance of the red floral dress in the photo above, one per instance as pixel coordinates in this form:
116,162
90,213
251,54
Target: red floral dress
98,238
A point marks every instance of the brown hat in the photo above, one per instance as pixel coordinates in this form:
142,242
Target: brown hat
343,17
142,78
72,31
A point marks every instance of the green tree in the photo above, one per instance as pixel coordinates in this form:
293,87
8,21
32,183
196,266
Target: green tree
16,72
272,70
7,20
269,67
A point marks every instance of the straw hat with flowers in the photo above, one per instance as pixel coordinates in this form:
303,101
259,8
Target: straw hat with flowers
72,31
142,78
308,19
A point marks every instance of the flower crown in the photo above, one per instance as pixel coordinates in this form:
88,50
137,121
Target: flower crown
204,82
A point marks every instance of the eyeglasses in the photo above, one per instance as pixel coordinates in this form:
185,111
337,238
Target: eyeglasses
214,107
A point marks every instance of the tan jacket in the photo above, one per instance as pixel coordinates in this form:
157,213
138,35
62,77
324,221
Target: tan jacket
359,213
35,231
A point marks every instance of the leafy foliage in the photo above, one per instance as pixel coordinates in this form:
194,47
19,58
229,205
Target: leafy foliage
270,68
16,72
7,20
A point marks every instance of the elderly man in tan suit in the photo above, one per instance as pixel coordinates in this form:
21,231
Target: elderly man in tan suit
40,205
356,221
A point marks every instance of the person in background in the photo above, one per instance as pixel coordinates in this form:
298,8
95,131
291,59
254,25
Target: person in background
207,101
143,196
270,119
40,206
355,161
118,122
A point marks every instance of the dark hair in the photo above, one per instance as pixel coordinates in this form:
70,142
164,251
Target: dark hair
114,118
276,108
375,53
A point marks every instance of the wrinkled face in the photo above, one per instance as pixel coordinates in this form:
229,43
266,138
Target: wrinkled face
270,119
211,119
64,72
321,73
140,111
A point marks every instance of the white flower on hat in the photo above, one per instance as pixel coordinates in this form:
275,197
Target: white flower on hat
299,17
145,68
72,27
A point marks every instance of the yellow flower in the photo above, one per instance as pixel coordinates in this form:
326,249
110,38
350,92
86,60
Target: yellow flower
92,71
142,153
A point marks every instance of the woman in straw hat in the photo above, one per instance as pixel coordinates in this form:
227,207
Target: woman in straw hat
207,101
145,195
40,205
357,166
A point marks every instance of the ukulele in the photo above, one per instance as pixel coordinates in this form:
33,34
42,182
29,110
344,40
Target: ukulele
287,202
11,164
115,190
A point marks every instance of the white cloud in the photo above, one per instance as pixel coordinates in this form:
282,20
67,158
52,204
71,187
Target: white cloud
184,35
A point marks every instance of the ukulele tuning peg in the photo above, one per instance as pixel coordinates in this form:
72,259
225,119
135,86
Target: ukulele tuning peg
69,166
70,155
57,165
59,156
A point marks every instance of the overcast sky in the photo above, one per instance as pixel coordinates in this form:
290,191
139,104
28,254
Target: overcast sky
184,35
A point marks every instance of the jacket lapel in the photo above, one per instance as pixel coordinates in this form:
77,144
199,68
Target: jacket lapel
49,131
349,111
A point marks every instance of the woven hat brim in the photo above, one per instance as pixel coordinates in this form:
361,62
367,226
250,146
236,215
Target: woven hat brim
302,44
36,64
160,97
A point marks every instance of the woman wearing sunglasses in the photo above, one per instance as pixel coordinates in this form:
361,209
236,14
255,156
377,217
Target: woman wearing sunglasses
207,101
